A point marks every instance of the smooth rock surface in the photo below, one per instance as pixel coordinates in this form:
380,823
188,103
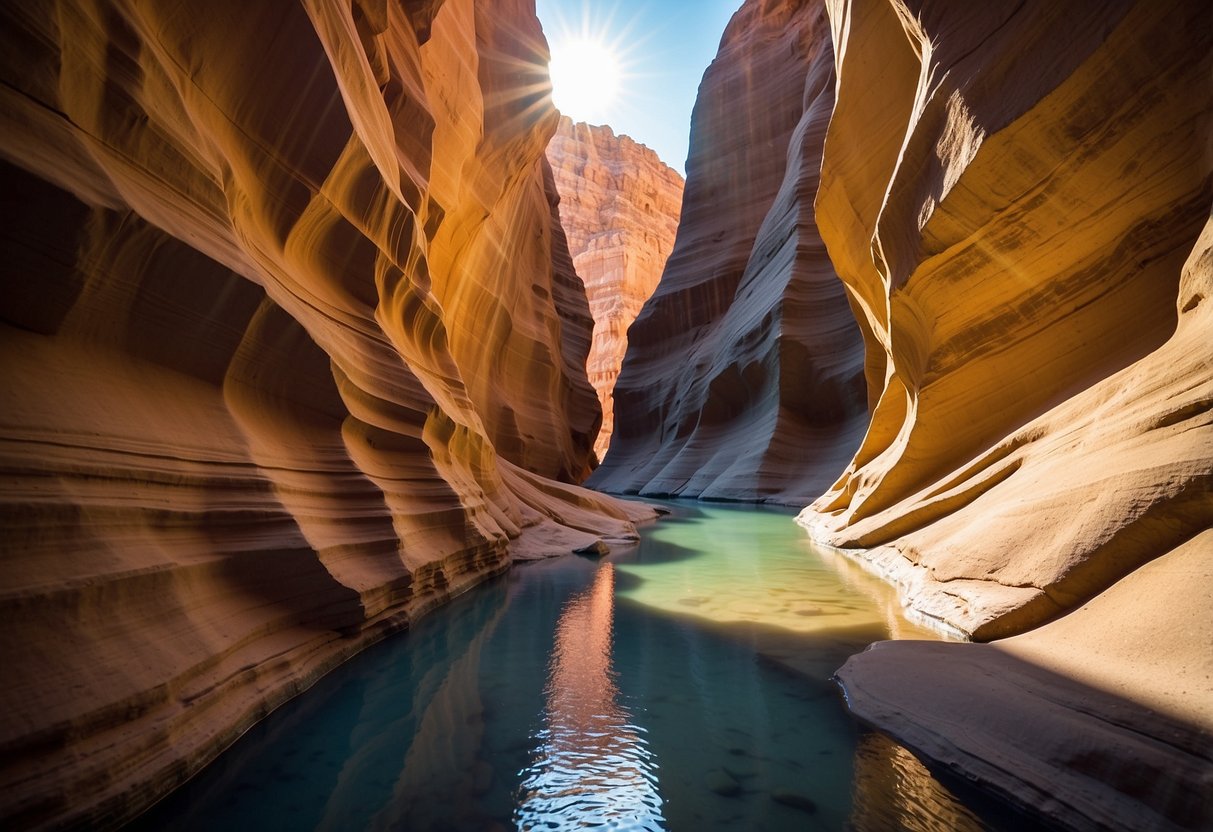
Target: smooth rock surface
292,351
743,376
1010,198
1018,201
619,205
1100,720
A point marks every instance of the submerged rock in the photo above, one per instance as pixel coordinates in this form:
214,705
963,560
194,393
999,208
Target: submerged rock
722,783
596,549
795,800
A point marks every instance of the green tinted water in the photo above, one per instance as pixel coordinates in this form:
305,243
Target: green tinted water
682,684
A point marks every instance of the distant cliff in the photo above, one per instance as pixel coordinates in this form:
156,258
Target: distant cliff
619,205
292,351
744,372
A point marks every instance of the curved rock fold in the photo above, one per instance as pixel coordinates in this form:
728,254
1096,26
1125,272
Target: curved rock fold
293,351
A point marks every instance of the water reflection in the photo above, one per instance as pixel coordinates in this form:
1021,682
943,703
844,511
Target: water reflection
546,700
894,790
593,766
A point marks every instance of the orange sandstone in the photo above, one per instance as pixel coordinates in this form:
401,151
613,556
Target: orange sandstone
1018,202
293,351
1039,372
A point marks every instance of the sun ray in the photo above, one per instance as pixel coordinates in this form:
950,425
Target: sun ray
594,63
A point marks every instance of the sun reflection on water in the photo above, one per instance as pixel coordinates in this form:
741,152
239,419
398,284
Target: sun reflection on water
592,766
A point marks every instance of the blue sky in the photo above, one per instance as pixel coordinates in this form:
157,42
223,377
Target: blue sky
662,47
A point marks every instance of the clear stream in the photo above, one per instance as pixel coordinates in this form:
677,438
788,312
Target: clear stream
682,684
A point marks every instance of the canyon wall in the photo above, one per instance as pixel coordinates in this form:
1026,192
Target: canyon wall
1010,342
619,205
293,351
1010,199
1017,200
744,372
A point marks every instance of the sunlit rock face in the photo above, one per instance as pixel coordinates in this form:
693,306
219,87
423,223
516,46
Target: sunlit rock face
292,348
744,372
1102,719
1018,201
1010,196
619,205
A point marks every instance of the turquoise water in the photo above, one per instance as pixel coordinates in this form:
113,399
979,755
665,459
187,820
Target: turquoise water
682,684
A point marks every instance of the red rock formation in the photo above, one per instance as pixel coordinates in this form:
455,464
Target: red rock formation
743,378
619,204
292,352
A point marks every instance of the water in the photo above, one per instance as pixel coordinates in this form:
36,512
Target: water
682,685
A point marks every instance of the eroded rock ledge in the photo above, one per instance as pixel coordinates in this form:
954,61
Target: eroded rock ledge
292,349
619,205
1096,720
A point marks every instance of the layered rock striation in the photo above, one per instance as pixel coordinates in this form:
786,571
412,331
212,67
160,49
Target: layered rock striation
1010,200
1018,202
1102,718
619,205
293,350
744,373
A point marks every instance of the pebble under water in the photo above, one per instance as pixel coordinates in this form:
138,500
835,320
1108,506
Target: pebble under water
682,684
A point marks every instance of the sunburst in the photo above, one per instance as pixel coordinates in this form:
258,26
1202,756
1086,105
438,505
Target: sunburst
593,65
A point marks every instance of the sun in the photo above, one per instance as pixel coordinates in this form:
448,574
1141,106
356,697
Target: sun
586,77
595,58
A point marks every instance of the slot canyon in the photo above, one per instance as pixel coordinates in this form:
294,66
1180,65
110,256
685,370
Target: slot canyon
317,315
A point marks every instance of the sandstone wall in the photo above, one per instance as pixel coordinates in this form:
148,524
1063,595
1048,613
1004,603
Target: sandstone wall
1013,199
292,351
1018,202
743,377
619,205
1009,199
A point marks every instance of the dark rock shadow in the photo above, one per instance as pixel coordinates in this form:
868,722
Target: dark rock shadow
1076,755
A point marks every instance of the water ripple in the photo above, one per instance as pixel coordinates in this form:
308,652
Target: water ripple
592,767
